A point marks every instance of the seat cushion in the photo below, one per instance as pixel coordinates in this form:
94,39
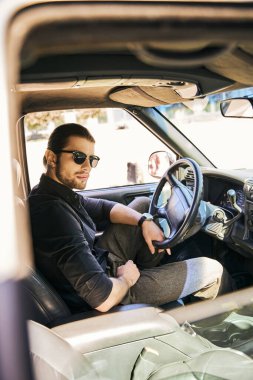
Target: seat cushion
54,359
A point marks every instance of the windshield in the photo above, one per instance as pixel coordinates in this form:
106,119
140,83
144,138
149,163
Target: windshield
226,142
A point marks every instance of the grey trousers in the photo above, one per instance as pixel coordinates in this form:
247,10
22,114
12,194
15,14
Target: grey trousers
158,284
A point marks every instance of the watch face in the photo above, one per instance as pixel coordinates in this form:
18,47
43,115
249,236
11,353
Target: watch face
148,216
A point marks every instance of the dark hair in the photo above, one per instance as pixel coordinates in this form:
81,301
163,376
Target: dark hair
60,135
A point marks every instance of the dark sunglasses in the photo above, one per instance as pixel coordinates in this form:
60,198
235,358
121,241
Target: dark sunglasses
80,157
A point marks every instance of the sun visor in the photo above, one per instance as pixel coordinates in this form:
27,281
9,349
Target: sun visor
151,96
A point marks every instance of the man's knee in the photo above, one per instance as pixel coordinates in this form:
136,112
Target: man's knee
218,281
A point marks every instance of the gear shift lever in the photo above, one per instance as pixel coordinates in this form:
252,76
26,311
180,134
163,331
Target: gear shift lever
231,194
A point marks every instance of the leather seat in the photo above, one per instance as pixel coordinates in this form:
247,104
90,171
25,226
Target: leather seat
44,305
54,359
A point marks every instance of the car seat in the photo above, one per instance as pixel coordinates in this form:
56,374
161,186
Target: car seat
54,359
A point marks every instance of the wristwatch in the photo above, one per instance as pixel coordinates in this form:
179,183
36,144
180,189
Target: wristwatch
145,216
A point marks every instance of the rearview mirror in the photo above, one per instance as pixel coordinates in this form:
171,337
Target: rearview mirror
237,107
159,162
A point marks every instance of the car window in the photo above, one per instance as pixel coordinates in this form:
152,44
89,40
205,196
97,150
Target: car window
122,143
219,138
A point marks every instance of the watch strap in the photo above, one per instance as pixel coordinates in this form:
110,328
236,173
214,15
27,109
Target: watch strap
145,216
141,220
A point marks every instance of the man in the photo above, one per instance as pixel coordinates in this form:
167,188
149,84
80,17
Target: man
123,266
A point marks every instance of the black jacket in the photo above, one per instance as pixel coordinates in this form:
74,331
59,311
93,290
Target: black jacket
63,229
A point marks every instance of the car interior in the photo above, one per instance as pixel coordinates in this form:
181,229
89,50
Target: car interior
135,57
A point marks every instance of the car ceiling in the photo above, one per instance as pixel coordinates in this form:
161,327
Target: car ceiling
133,53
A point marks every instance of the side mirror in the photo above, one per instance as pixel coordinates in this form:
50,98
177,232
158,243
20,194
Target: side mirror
159,162
237,107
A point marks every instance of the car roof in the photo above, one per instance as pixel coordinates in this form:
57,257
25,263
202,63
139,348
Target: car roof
126,53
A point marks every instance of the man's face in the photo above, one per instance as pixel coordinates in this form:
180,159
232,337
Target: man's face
67,172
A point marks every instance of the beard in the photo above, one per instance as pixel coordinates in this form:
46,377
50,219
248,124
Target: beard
71,183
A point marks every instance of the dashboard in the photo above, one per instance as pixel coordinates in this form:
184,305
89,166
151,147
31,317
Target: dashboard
231,224
215,192
217,183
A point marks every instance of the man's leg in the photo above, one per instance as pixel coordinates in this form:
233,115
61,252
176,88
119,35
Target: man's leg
203,277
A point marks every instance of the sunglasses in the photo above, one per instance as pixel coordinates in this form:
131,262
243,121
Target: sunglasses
80,157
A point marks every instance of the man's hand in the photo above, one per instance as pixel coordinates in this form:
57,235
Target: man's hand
129,272
127,276
151,232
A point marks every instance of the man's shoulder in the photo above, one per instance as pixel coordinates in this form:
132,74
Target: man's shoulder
47,205
41,198
44,201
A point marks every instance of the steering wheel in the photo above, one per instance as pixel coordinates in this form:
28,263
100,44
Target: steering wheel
181,208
